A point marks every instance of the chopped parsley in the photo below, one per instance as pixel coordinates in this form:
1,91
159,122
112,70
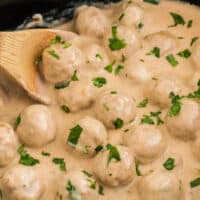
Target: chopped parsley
90,179
98,149
65,108
54,54
74,136
140,25
113,92
172,60
123,59
149,119
61,85
195,182
146,119
57,39
99,56
99,82
60,162
26,158
186,53
113,153
193,40
109,68
143,103
169,164
17,121
155,51
72,191
74,76
175,107
44,153
178,19
115,43
118,123
195,94
189,24
138,172
155,2
157,116
118,69
121,17
101,190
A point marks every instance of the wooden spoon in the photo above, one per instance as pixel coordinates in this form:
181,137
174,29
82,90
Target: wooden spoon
18,53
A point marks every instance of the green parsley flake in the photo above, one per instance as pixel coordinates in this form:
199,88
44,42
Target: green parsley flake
121,17
109,68
155,2
143,103
99,56
172,60
61,85
113,153
60,162
157,116
44,153
101,190
74,136
25,158
178,19
140,25
115,43
74,76
72,191
65,108
99,82
195,94
186,53
169,164
146,119
118,69
189,24
155,51
193,40
123,58
98,149
195,182
175,107
17,121
138,172
58,40
54,54
118,123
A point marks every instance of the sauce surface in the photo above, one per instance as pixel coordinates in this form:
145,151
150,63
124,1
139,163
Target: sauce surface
124,118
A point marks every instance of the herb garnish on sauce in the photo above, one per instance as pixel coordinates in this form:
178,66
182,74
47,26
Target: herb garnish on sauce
178,19
99,82
118,123
54,54
72,191
74,136
169,164
60,162
156,2
172,60
113,153
195,182
61,85
143,103
186,53
175,107
193,40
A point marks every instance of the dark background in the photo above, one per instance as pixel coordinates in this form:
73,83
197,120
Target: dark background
14,12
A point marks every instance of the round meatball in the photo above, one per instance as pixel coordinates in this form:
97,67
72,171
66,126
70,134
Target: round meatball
79,95
93,134
159,186
137,71
158,90
59,63
110,108
37,127
96,56
186,122
91,21
147,142
196,54
8,144
133,15
130,38
22,183
163,40
114,171
82,182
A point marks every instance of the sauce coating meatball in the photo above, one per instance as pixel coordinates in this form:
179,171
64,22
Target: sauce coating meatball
37,127
79,184
79,95
22,183
93,134
114,171
59,63
8,144
110,108
159,186
91,21
147,142
186,122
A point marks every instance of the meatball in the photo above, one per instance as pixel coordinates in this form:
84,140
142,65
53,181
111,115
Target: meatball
130,38
159,186
92,135
117,169
196,54
79,95
96,56
147,142
158,90
22,183
186,122
133,15
91,21
59,63
8,144
111,108
163,40
80,184
37,127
